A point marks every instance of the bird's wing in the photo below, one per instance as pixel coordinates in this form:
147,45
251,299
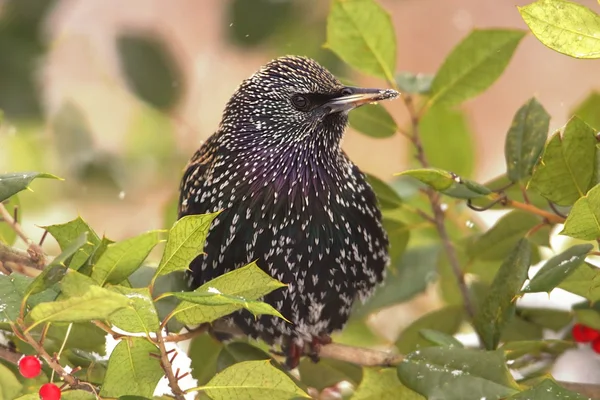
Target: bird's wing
196,173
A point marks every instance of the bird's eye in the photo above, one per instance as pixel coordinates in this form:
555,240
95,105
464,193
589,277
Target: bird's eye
346,92
300,102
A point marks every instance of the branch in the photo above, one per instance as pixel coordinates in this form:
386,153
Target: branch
438,212
9,355
17,260
36,254
165,363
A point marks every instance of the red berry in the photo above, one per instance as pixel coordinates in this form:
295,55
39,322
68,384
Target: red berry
49,391
596,345
30,366
584,334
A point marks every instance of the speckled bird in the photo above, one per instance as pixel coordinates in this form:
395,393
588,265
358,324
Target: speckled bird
292,200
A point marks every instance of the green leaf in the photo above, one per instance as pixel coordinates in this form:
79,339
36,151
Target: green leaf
10,301
68,232
566,169
447,182
7,233
75,284
373,120
563,26
585,282
204,351
548,390
409,82
587,110
398,234
54,272
121,259
233,353
386,195
140,315
131,370
10,386
583,221
498,307
546,318
11,184
185,242
447,140
248,282
500,239
446,320
471,374
557,269
97,303
327,372
383,384
440,338
361,33
512,191
252,380
410,276
525,140
473,65
534,348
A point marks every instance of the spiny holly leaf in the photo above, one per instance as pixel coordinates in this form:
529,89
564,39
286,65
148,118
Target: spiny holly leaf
447,183
361,33
525,140
447,320
140,315
409,82
548,390
122,259
97,303
252,380
500,239
249,283
473,65
68,232
57,269
440,338
131,369
185,242
583,221
383,384
566,169
11,184
374,121
498,307
564,26
585,282
75,284
451,373
558,268
386,195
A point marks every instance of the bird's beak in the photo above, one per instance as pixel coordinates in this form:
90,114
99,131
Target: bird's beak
359,97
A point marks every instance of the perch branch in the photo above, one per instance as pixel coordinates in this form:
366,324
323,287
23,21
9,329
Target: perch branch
9,355
165,363
36,254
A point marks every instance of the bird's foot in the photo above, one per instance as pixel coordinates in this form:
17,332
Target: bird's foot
314,347
293,352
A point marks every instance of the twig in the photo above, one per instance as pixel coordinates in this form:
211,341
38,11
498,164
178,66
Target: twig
187,335
166,366
552,218
438,212
19,259
36,253
9,355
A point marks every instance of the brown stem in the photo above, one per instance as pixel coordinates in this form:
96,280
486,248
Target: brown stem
187,335
166,366
36,253
438,212
552,218
9,355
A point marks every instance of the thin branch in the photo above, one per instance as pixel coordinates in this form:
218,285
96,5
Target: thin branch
166,366
552,218
438,212
9,355
20,259
36,253
179,337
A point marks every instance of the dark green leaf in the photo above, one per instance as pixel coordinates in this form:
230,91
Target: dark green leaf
233,353
525,140
546,318
398,234
386,195
383,384
414,83
446,320
361,33
533,348
548,390
374,121
328,372
583,221
150,69
131,370
11,184
564,26
471,374
440,338
447,140
557,269
473,65
498,307
68,232
447,183
139,316
566,169
204,351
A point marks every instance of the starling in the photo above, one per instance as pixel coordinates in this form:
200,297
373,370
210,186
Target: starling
292,200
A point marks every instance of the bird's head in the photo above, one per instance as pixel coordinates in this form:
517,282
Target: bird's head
294,100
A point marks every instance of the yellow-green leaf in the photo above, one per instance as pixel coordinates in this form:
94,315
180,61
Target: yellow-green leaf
13,183
583,221
383,384
140,315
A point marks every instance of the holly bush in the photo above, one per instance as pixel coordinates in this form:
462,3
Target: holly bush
61,308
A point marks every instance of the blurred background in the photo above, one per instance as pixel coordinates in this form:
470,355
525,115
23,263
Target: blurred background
115,96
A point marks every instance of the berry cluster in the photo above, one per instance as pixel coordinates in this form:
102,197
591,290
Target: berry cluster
585,334
30,367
